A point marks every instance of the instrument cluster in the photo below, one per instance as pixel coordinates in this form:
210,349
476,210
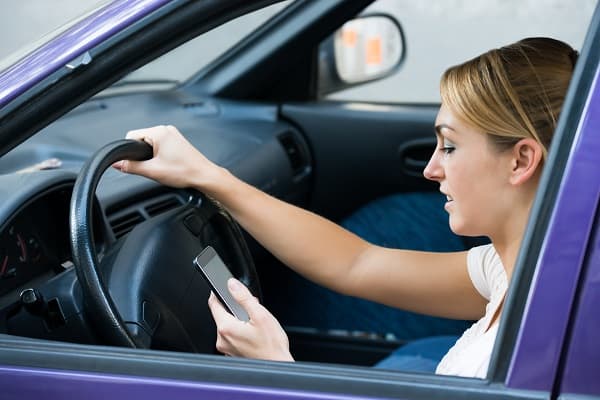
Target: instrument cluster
35,241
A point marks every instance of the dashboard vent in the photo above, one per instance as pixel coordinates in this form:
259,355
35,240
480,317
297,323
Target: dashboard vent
294,152
125,223
125,220
162,205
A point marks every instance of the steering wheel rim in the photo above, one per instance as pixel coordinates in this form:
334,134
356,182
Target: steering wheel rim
100,305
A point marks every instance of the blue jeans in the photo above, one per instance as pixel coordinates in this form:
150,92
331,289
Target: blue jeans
422,355
415,221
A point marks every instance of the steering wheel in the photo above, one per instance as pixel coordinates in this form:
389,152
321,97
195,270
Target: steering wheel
145,292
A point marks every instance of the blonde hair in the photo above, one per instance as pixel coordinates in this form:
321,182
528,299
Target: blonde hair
513,92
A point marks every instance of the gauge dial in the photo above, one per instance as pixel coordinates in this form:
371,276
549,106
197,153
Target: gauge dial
34,250
14,253
3,262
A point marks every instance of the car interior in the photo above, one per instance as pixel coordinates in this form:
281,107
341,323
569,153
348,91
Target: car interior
143,236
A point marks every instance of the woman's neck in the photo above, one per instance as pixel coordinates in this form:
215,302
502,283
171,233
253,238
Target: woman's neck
508,242
508,254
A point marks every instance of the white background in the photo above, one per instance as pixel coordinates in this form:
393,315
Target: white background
439,33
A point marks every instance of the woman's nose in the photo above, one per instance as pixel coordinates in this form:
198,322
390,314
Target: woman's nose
433,170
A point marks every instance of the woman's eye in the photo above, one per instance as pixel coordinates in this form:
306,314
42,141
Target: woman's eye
447,146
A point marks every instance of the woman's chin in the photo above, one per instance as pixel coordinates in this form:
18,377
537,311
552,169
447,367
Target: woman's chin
458,227
462,229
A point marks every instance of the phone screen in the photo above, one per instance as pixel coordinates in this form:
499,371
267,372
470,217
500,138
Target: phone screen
217,274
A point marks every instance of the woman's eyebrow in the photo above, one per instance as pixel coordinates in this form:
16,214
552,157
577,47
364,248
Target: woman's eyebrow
438,128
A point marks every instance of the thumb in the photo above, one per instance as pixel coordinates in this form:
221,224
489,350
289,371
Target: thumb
134,167
242,295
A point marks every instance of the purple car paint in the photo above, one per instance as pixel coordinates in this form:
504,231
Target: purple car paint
34,383
547,311
72,43
581,371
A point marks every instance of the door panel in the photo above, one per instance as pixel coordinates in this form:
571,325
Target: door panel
364,151
63,370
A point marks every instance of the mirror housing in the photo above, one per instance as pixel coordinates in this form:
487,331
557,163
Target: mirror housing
364,49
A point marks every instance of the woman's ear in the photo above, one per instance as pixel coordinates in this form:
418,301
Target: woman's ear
526,161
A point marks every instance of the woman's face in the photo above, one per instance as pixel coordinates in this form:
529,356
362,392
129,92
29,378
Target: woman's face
472,175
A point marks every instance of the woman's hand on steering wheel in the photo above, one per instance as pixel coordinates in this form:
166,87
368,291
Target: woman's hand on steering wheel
175,161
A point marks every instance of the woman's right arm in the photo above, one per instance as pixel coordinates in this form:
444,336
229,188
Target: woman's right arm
320,250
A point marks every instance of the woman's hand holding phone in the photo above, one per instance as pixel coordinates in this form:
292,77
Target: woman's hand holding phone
261,337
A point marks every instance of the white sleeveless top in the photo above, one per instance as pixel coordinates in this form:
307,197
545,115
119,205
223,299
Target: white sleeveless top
470,356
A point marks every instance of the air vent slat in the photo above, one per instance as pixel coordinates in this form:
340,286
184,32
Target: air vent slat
294,153
125,223
163,205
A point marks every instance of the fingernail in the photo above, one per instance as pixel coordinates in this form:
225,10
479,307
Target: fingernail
234,285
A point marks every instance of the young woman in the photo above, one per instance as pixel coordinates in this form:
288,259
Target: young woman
496,120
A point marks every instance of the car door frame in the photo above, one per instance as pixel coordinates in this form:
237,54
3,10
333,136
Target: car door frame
58,365
552,257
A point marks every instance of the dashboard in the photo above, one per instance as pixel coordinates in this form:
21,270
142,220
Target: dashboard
35,248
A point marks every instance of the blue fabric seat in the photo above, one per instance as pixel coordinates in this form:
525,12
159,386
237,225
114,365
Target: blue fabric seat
415,221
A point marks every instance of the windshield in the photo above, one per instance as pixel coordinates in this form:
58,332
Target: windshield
183,62
31,24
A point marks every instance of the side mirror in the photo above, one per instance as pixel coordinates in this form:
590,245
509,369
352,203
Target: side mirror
364,49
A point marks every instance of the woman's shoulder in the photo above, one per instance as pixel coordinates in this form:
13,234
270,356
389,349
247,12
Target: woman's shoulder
485,269
486,252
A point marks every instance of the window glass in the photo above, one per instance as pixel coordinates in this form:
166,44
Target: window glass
441,33
183,62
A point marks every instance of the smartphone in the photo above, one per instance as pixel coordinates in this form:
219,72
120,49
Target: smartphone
217,274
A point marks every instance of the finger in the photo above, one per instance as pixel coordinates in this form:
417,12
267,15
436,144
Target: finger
118,165
242,295
132,167
125,166
152,168
137,134
145,135
219,313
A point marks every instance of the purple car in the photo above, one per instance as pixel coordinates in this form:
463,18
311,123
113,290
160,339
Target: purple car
99,297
